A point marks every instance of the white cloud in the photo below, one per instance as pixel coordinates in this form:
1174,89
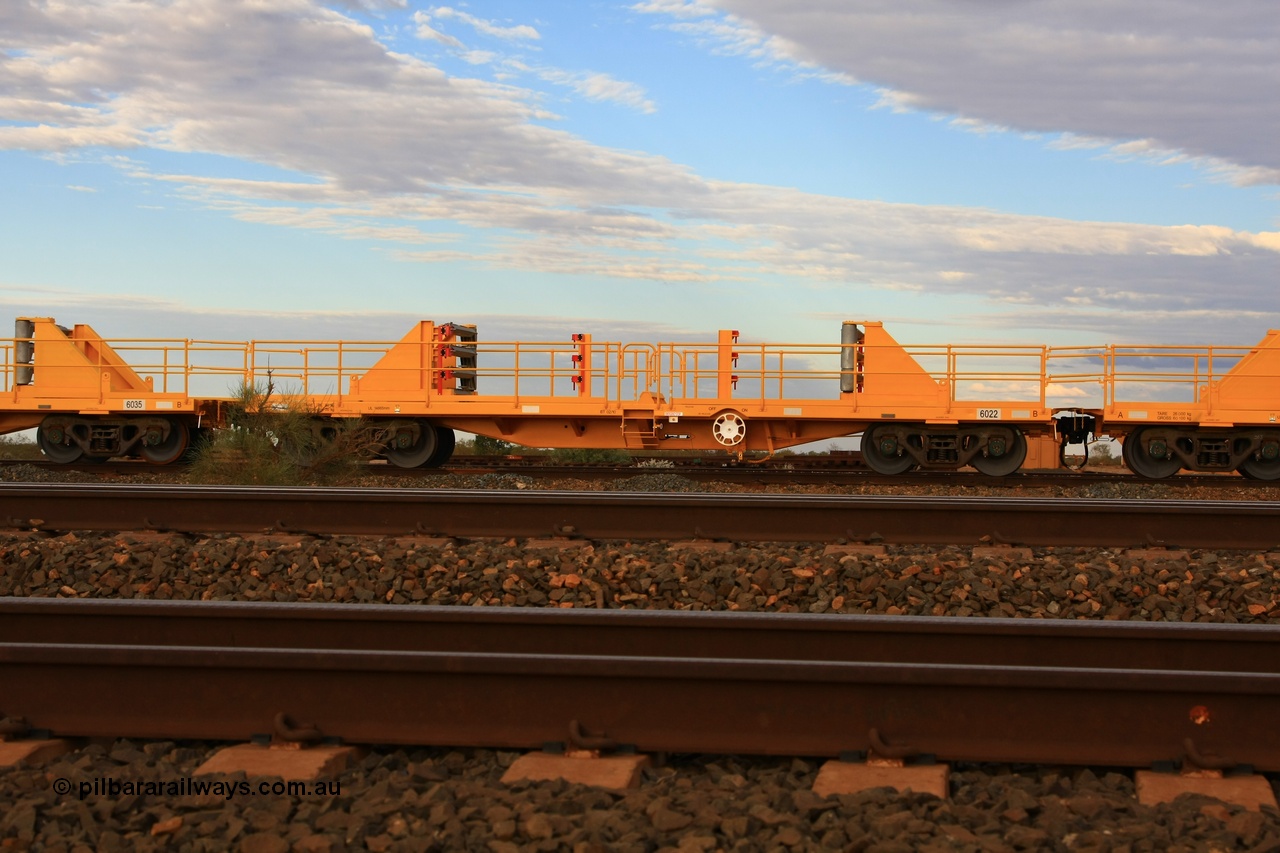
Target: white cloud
595,86
426,32
676,8
370,5
519,32
389,149
730,35
1173,75
479,57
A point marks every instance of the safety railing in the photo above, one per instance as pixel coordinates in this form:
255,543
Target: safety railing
7,367
616,371
622,372
980,372
1172,374
769,372
212,368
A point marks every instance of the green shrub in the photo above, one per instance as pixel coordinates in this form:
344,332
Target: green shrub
16,447
282,441
589,456
485,446
1103,454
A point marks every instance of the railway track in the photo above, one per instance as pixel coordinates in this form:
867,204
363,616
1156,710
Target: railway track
633,515
813,472
1073,692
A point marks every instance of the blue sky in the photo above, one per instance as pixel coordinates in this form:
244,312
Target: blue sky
1104,170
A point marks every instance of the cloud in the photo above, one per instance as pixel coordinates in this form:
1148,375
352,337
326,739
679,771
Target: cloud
382,147
731,35
370,5
519,32
1173,75
123,315
426,32
676,8
595,86
592,85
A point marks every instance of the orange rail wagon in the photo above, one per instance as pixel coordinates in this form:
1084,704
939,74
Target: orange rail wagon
936,407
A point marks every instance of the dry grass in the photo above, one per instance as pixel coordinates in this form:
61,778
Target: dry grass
279,440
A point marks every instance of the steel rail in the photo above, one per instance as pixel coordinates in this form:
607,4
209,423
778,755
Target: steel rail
780,472
1072,692
915,639
843,476
630,515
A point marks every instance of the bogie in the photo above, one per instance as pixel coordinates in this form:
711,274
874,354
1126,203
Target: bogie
415,443
1002,455
1150,455
1263,462
894,449
66,439
884,453
1158,452
57,445
410,444
163,448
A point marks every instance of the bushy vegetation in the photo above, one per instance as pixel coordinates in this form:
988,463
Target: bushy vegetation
482,445
485,446
279,440
1104,454
589,456
16,447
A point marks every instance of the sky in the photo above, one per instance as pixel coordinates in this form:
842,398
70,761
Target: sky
1031,171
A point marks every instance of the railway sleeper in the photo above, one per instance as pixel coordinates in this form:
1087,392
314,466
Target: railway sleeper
69,438
1158,452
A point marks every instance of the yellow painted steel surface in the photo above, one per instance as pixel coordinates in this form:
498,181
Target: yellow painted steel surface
579,392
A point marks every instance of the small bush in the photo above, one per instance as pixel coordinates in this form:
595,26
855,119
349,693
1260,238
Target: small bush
16,447
485,446
282,441
1103,453
589,456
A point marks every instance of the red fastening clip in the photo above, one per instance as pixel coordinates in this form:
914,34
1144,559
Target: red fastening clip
734,356
734,379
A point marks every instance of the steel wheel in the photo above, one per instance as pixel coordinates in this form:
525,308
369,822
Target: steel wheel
1013,454
1137,456
170,449
884,454
445,441
414,455
57,445
1256,469
1267,467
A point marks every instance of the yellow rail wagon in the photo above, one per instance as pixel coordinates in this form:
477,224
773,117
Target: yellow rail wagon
935,407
